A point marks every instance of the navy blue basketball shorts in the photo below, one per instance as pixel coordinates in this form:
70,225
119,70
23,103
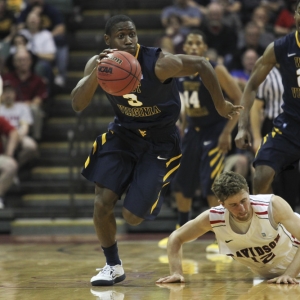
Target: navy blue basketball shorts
201,162
139,162
280,149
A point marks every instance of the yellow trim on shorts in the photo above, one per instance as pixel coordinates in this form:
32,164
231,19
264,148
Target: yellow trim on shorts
170,172
172,159
103,138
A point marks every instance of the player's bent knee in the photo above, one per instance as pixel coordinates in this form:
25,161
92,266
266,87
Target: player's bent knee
130,218
102,208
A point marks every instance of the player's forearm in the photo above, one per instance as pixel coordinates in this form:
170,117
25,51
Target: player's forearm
255,120
211,82
247,102
84,91
294,268
231,124
175,254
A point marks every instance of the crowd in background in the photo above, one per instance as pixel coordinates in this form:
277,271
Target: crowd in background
33,59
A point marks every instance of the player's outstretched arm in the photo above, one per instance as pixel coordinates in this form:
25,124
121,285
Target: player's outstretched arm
283,213
259,73
188,232
168,66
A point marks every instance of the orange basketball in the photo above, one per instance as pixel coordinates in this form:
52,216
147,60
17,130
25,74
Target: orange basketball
119,73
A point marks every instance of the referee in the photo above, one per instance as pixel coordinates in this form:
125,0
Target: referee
265,109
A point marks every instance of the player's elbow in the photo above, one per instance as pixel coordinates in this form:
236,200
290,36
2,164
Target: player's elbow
76,106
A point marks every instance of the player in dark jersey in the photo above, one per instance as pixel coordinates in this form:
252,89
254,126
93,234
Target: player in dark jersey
140,153
207,136
280,149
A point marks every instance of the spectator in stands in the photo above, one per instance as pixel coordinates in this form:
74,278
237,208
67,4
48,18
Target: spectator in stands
219,35
8,23
250,39
41,44
247,8
200,5
261,17
18,114
7,30
248,61
190,17
8,165
30,88
231,9
231,13
285,22
52,20
173,39
18,41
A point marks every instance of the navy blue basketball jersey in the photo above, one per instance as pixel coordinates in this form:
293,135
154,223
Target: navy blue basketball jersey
197,101
287,52
152,103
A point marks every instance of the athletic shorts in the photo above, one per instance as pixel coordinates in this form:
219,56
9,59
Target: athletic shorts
280,149
201,161
140,162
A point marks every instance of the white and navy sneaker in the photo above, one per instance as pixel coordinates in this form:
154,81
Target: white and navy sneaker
108,295
109,275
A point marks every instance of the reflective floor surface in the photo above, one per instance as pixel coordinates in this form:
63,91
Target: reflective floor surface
54,269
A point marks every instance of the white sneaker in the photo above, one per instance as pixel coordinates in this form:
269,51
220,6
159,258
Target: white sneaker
108,295
109,275
1,203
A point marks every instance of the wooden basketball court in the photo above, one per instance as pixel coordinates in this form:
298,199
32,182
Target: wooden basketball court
60,267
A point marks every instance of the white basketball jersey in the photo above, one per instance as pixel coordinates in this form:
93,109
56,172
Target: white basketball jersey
266,250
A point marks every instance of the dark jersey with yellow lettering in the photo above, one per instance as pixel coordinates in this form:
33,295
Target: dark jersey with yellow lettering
287,52
197,101
153,104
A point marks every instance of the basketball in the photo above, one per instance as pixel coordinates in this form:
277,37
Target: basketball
119,73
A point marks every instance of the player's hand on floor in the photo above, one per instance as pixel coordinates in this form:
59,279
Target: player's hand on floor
171,279
284,279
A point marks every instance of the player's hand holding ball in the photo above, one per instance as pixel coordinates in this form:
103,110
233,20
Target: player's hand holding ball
118,72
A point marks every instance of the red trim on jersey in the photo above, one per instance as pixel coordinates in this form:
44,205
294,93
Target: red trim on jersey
217,221
217,212
255,203
261,213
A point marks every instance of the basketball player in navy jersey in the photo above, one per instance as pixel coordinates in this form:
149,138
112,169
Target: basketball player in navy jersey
207,136
280,149
140,152
259,231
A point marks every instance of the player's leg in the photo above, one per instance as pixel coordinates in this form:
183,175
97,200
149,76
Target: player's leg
212,164
186,179
262,179
184,206
103,167
106,228
279,150
148,187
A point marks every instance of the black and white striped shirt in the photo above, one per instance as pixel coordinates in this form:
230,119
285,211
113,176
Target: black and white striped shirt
270,91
